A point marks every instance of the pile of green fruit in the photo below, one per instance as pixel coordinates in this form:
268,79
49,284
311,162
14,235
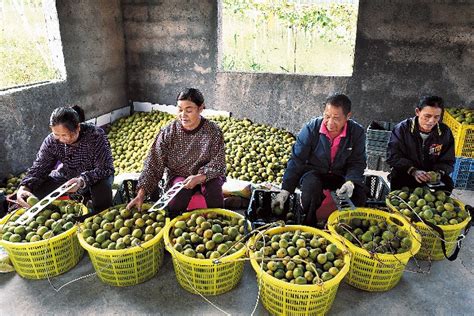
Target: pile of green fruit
11,184
131,137
375,236
52,221
254,152
208,236
463,116
119,228
435,207
299,257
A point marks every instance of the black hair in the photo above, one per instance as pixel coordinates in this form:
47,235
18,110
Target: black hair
191,94
430,100
80,112
70,117
340,100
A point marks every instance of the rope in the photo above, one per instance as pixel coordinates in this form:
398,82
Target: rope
259,278
375,255
192,286
217,261
112,262
72,281
320,281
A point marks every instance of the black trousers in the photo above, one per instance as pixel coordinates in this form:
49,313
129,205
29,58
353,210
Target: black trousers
403,179
100,193
211,190
312,196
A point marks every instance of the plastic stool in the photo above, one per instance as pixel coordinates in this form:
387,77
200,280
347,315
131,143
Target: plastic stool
197,201
327,206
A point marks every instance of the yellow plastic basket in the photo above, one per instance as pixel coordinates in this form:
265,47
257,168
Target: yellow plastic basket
205,276
129,266
430,239
378,272
463,136
45,258
282,298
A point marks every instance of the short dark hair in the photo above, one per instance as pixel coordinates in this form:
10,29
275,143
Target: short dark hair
70,117
340,100
430,100
191,94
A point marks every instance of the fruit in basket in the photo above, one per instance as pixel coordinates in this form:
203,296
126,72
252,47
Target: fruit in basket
277,210
376,236
434,176
208,236
50,222
309,259
437,208
11,183
32,200
119,228
254,152
463,116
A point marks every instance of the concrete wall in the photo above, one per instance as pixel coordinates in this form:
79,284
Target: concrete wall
404,48
170,45
409,48
94,54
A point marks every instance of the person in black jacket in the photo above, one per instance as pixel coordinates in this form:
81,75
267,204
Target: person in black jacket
419,145
329,153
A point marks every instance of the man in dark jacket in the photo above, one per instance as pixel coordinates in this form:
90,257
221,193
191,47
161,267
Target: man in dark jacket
419,145
329,153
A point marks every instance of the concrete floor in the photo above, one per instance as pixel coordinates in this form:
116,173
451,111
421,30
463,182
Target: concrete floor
446,290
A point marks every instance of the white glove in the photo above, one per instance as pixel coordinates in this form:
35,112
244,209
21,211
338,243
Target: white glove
346,189
280,199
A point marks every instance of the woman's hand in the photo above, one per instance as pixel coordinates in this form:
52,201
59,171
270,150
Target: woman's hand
22,195
137,201
191,181
80,184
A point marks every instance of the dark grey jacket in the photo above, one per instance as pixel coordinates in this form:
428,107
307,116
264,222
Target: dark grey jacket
312,152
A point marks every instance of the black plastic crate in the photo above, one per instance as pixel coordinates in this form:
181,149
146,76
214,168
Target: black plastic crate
377,161
260,211
379,130
379,147
128,191
378,190
378,136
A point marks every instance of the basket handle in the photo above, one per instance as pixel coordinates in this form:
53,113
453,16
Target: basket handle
454,256
247,213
